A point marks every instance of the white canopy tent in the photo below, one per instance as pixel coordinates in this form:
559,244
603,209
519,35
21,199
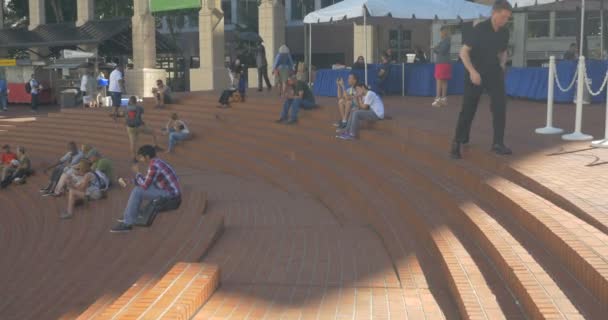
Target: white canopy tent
400,9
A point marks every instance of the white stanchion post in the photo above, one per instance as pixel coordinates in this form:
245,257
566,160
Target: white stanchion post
603,143
577,135
549,129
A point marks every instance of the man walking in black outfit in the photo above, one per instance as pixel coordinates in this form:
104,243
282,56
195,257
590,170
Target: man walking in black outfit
484,55
262,64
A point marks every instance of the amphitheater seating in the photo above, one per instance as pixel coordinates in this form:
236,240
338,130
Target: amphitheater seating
462,239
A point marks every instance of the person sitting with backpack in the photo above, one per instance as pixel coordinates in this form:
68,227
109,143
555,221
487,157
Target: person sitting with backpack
94,157
160,182
65,163
20,169
84,185
136,125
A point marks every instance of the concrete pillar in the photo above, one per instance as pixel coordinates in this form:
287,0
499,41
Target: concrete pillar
359,42
37,13
86,11
520,38
142,78
212,74
272,27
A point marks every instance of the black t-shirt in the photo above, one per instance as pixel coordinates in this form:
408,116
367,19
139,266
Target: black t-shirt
485,45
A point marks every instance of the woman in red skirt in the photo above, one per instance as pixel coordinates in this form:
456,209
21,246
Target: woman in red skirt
443,68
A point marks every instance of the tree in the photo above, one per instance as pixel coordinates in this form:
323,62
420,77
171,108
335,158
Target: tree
66,10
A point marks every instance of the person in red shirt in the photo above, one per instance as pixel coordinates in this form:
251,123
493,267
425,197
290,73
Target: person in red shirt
5,159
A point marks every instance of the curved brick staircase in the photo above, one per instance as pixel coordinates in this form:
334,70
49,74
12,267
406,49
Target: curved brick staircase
300,225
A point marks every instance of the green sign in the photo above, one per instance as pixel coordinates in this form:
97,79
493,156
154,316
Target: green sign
169,5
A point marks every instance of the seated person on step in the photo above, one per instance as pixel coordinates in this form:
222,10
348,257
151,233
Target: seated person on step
347,99
85,184
60,186
301,97
162,93
6,157
160,181
19,170
70,159
372,109
101,164
177,130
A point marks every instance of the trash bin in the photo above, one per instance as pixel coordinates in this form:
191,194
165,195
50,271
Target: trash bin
67,98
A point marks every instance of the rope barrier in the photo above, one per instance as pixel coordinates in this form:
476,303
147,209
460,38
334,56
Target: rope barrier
559,85
588,85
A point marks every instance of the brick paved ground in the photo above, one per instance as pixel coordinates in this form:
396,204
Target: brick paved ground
316,228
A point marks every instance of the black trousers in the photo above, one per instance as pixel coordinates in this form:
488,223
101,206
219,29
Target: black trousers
263,73
494,84
35,101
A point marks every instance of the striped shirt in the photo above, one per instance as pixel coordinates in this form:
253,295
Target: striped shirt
162,176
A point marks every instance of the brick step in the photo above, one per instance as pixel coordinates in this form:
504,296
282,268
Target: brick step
494,164
189,246
177,295
579,246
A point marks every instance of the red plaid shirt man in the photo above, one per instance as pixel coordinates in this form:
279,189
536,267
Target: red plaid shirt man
162,176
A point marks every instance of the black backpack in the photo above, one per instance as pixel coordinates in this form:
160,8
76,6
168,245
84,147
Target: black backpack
28,87
146,215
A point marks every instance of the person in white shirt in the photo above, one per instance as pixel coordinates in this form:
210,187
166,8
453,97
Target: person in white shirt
372,109
177,130
116,88
34,91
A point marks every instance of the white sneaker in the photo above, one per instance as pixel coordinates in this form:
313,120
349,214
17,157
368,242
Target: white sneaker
444,101
436,103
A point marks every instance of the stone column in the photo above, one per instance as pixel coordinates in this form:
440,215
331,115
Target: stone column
37,13
142,78
272,27
86,11
37,17
359,42
212,74
520,37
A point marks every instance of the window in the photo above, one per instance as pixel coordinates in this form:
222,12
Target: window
327,3
247,11
592,23
565,24
538,24
300,8
400,41
227,8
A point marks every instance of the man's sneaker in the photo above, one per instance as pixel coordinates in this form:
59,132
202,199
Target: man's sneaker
292,121
50,194
338,124
65,215
44,190
280,120
121,220
455,151
501,149
121,227
345,136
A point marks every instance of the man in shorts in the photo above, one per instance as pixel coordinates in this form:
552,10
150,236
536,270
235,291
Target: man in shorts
136,126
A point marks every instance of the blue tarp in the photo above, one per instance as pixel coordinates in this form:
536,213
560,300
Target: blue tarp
528,83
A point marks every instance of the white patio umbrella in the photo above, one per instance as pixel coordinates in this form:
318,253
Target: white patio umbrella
401,9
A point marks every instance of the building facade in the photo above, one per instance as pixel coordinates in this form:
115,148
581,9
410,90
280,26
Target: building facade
540,32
